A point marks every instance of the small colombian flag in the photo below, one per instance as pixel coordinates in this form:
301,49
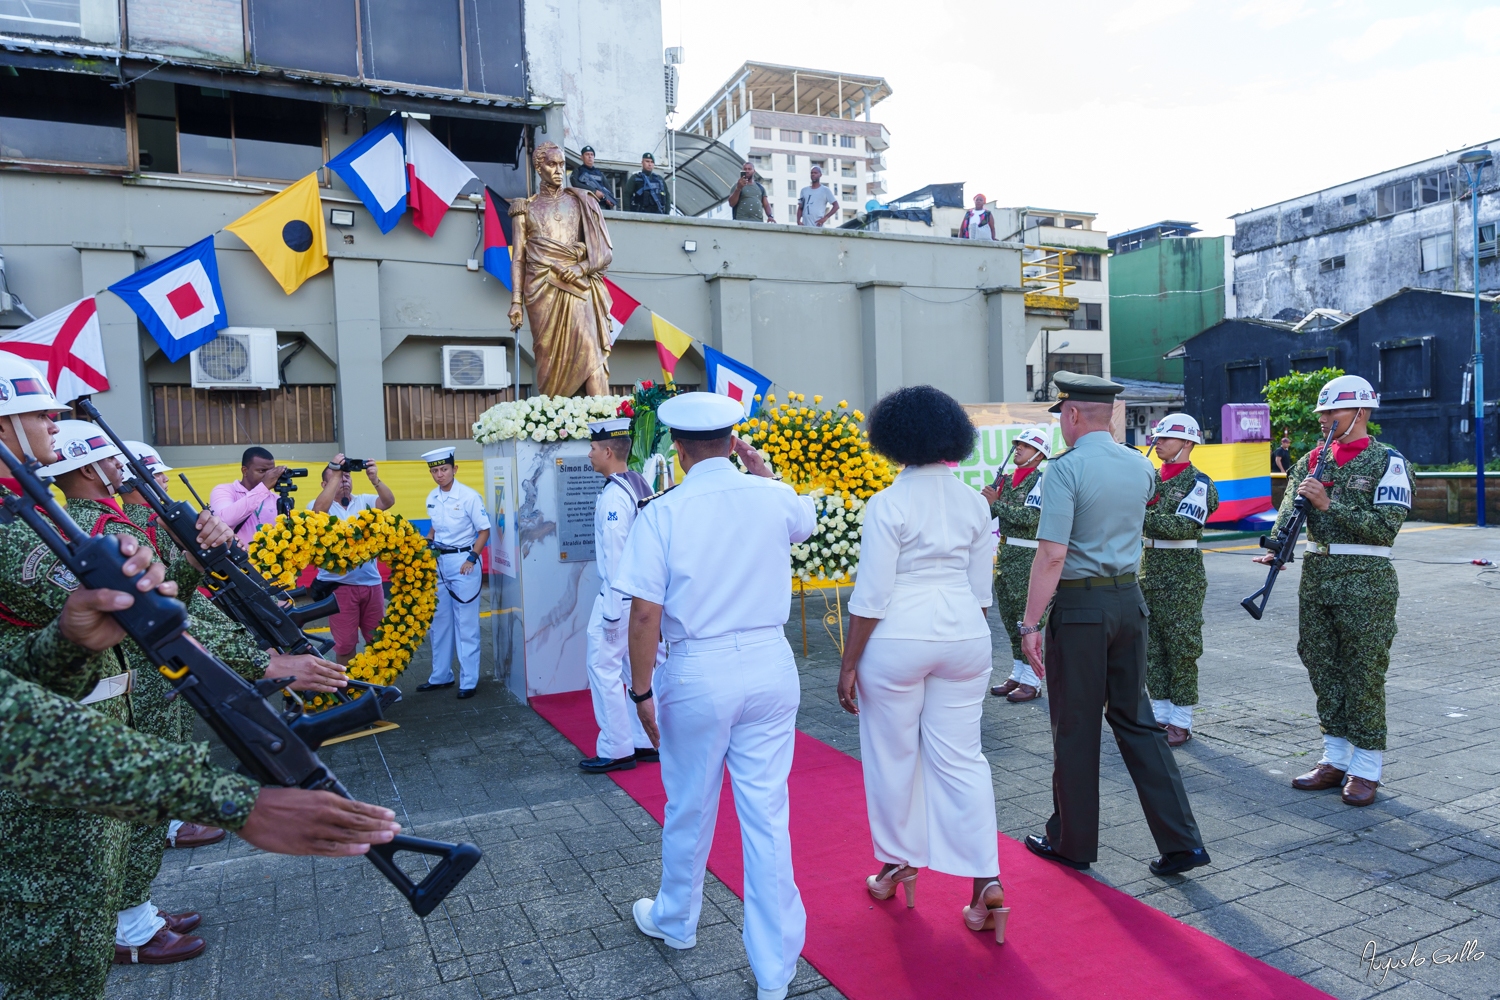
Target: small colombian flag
286,233
497,236
671,345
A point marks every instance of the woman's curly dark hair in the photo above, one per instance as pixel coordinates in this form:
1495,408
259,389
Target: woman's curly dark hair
920,425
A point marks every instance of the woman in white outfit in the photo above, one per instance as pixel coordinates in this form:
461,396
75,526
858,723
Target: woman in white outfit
917,662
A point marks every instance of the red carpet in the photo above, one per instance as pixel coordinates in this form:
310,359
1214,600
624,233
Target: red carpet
1069,937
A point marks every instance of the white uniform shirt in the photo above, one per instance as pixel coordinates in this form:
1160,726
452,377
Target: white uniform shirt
366,574
716,552
458,516
926,558
613,515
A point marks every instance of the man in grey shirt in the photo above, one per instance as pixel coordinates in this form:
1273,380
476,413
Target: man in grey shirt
1088,549
816,204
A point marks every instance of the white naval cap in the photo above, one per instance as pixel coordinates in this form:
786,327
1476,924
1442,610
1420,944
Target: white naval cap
80,443
148,455
615,427
438,456
1179,426
700,416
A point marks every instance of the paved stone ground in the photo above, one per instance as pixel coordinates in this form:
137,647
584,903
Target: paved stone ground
1298,879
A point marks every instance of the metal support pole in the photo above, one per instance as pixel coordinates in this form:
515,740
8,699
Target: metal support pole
1479,477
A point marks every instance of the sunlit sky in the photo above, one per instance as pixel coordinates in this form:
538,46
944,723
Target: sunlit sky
1139,110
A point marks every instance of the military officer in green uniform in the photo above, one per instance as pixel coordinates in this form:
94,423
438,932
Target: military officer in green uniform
1088,551
1016,501
1172,577
1347,598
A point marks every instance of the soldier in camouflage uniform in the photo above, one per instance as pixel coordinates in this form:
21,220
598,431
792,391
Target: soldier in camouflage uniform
1347,599
1016,500
1172,578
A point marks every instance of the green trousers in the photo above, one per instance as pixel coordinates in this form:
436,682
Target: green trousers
1346,649
53,952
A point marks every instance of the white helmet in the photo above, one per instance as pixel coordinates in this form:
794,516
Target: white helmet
1347,392
149,456
24,389
1180,426
82,443
1037,437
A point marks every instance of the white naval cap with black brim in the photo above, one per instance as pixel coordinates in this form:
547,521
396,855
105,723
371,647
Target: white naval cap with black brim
700,416
615,427
438,456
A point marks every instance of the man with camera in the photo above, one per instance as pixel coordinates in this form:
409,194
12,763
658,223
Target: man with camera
748,201
251,501
359,592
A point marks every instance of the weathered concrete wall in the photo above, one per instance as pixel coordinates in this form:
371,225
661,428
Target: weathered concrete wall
1161,295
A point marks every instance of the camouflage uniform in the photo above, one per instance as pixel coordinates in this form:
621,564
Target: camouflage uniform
1347,603
1174,585
1013,568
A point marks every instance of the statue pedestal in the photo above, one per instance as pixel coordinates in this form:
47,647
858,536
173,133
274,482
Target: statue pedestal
542,576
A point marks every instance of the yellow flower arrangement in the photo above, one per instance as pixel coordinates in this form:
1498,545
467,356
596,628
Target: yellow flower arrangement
283,548
818,449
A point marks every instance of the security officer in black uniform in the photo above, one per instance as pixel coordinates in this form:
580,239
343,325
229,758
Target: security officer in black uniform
1088,551
587,177
646,191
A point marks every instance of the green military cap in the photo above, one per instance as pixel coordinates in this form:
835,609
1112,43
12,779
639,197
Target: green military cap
1083,389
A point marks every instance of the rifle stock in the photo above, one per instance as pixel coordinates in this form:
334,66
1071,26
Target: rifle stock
273,748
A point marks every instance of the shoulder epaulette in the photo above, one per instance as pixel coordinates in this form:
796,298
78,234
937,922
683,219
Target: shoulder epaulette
639,504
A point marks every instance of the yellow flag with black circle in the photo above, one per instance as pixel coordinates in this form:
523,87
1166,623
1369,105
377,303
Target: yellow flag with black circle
286,233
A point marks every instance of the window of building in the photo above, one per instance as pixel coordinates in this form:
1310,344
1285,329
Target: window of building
791,135
818,138
846,168
1245,379
188,28
1085,267
791,188
1307,211
761,162
1393,198
762,132
1040,220
1030,379
1487,245
1437,252
228,134
1351,199
491,149
1072,223
1334,263
61,118
849,213
791,161
846,142
1405,370
87,19
1089,316
849,193
1435,188
1079,364
821,165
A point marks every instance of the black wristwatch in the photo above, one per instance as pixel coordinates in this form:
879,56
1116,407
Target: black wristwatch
638,698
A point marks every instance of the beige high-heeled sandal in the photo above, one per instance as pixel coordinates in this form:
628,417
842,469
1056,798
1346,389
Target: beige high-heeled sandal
882,887
986,916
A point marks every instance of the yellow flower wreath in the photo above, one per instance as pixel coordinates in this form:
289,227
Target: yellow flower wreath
286,546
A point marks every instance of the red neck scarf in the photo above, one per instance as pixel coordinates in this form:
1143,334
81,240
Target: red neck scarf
1172,470
1017,477
1342,453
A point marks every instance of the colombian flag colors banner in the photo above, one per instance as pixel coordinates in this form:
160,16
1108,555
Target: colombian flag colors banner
1242,474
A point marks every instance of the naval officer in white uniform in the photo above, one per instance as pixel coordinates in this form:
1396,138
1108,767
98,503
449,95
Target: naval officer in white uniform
460,529
708,565
622,742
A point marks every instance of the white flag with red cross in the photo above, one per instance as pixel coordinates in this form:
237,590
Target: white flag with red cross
67,347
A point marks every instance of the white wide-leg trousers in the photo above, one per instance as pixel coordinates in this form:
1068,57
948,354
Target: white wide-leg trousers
731,700
927,783
456,624
620,729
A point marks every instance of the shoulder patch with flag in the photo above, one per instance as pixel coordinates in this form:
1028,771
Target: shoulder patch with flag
375,169
67,347
497,236
178,299
286,232
735,379
621,307
434,177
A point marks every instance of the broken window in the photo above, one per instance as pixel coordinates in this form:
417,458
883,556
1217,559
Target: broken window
1437,252
1334,263
61,118
1435,188
1393,198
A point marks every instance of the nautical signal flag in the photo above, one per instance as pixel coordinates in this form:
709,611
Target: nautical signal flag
735,379
621,308
179,299
286,232
66,345
434,177
375,169
671,345
497,236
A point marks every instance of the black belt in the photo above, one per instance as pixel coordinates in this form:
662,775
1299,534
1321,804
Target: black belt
447,550
1090,582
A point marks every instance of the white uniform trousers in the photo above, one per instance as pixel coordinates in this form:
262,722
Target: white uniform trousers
927,783
731,700
456,620
620,729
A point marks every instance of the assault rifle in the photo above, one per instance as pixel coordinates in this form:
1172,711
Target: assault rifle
1000,472
233,583
274,748
1284,543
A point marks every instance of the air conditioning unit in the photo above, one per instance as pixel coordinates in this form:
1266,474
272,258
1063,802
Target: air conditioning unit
240,357
474,368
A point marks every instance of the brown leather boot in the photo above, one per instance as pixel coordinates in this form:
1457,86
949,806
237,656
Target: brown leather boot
1023,692
1001,690
1177,736
1319,778
1359,791
180,923
197,835
163,949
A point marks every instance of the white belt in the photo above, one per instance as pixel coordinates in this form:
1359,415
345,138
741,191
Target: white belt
111,687
1170,543
1025,543
731,640
1338,549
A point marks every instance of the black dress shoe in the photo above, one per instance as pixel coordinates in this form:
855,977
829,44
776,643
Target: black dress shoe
467,693
1042,848
601,765
425,686
647,755
1179,861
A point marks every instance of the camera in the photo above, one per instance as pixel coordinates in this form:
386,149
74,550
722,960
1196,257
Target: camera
284,489
353,465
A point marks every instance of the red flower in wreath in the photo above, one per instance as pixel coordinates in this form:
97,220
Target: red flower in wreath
625,409
646,384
